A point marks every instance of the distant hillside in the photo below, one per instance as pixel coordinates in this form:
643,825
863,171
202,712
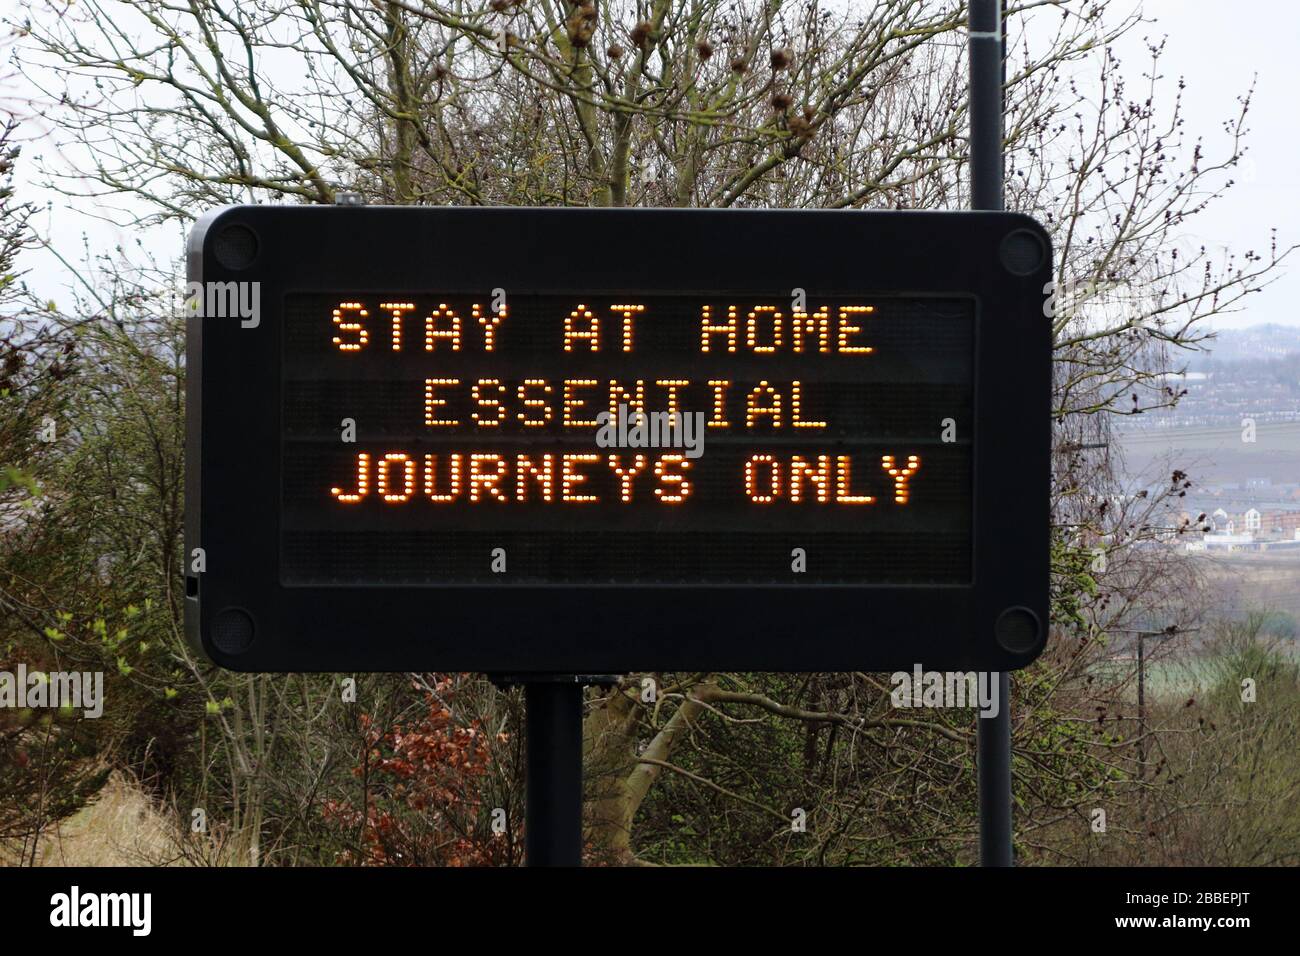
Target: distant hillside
1256,342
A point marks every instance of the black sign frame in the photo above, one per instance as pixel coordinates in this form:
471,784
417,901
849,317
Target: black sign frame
239,615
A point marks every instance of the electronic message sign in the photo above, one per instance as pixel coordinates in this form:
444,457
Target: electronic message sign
553,440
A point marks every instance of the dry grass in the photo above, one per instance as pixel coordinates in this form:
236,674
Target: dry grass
122,826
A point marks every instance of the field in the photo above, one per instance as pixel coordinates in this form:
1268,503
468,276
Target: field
1245,581
1216,455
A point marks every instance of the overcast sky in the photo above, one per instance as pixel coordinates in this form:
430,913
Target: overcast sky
1219,47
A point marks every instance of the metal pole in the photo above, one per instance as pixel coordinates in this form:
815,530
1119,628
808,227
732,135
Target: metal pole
993,745
986,105
553,812
987,30
1142,705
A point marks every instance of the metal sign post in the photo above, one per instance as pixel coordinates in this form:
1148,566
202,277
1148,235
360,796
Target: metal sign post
553,795
987,29
553,758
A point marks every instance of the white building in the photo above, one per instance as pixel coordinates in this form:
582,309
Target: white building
1252,521
1228,541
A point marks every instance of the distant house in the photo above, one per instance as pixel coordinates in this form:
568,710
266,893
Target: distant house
1281,522
1219,521
1251,520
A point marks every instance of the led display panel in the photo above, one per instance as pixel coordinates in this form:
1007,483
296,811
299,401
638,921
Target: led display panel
523,440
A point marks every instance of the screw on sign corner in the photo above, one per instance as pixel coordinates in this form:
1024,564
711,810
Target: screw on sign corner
232,631
1022,252
235,247
1017,630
